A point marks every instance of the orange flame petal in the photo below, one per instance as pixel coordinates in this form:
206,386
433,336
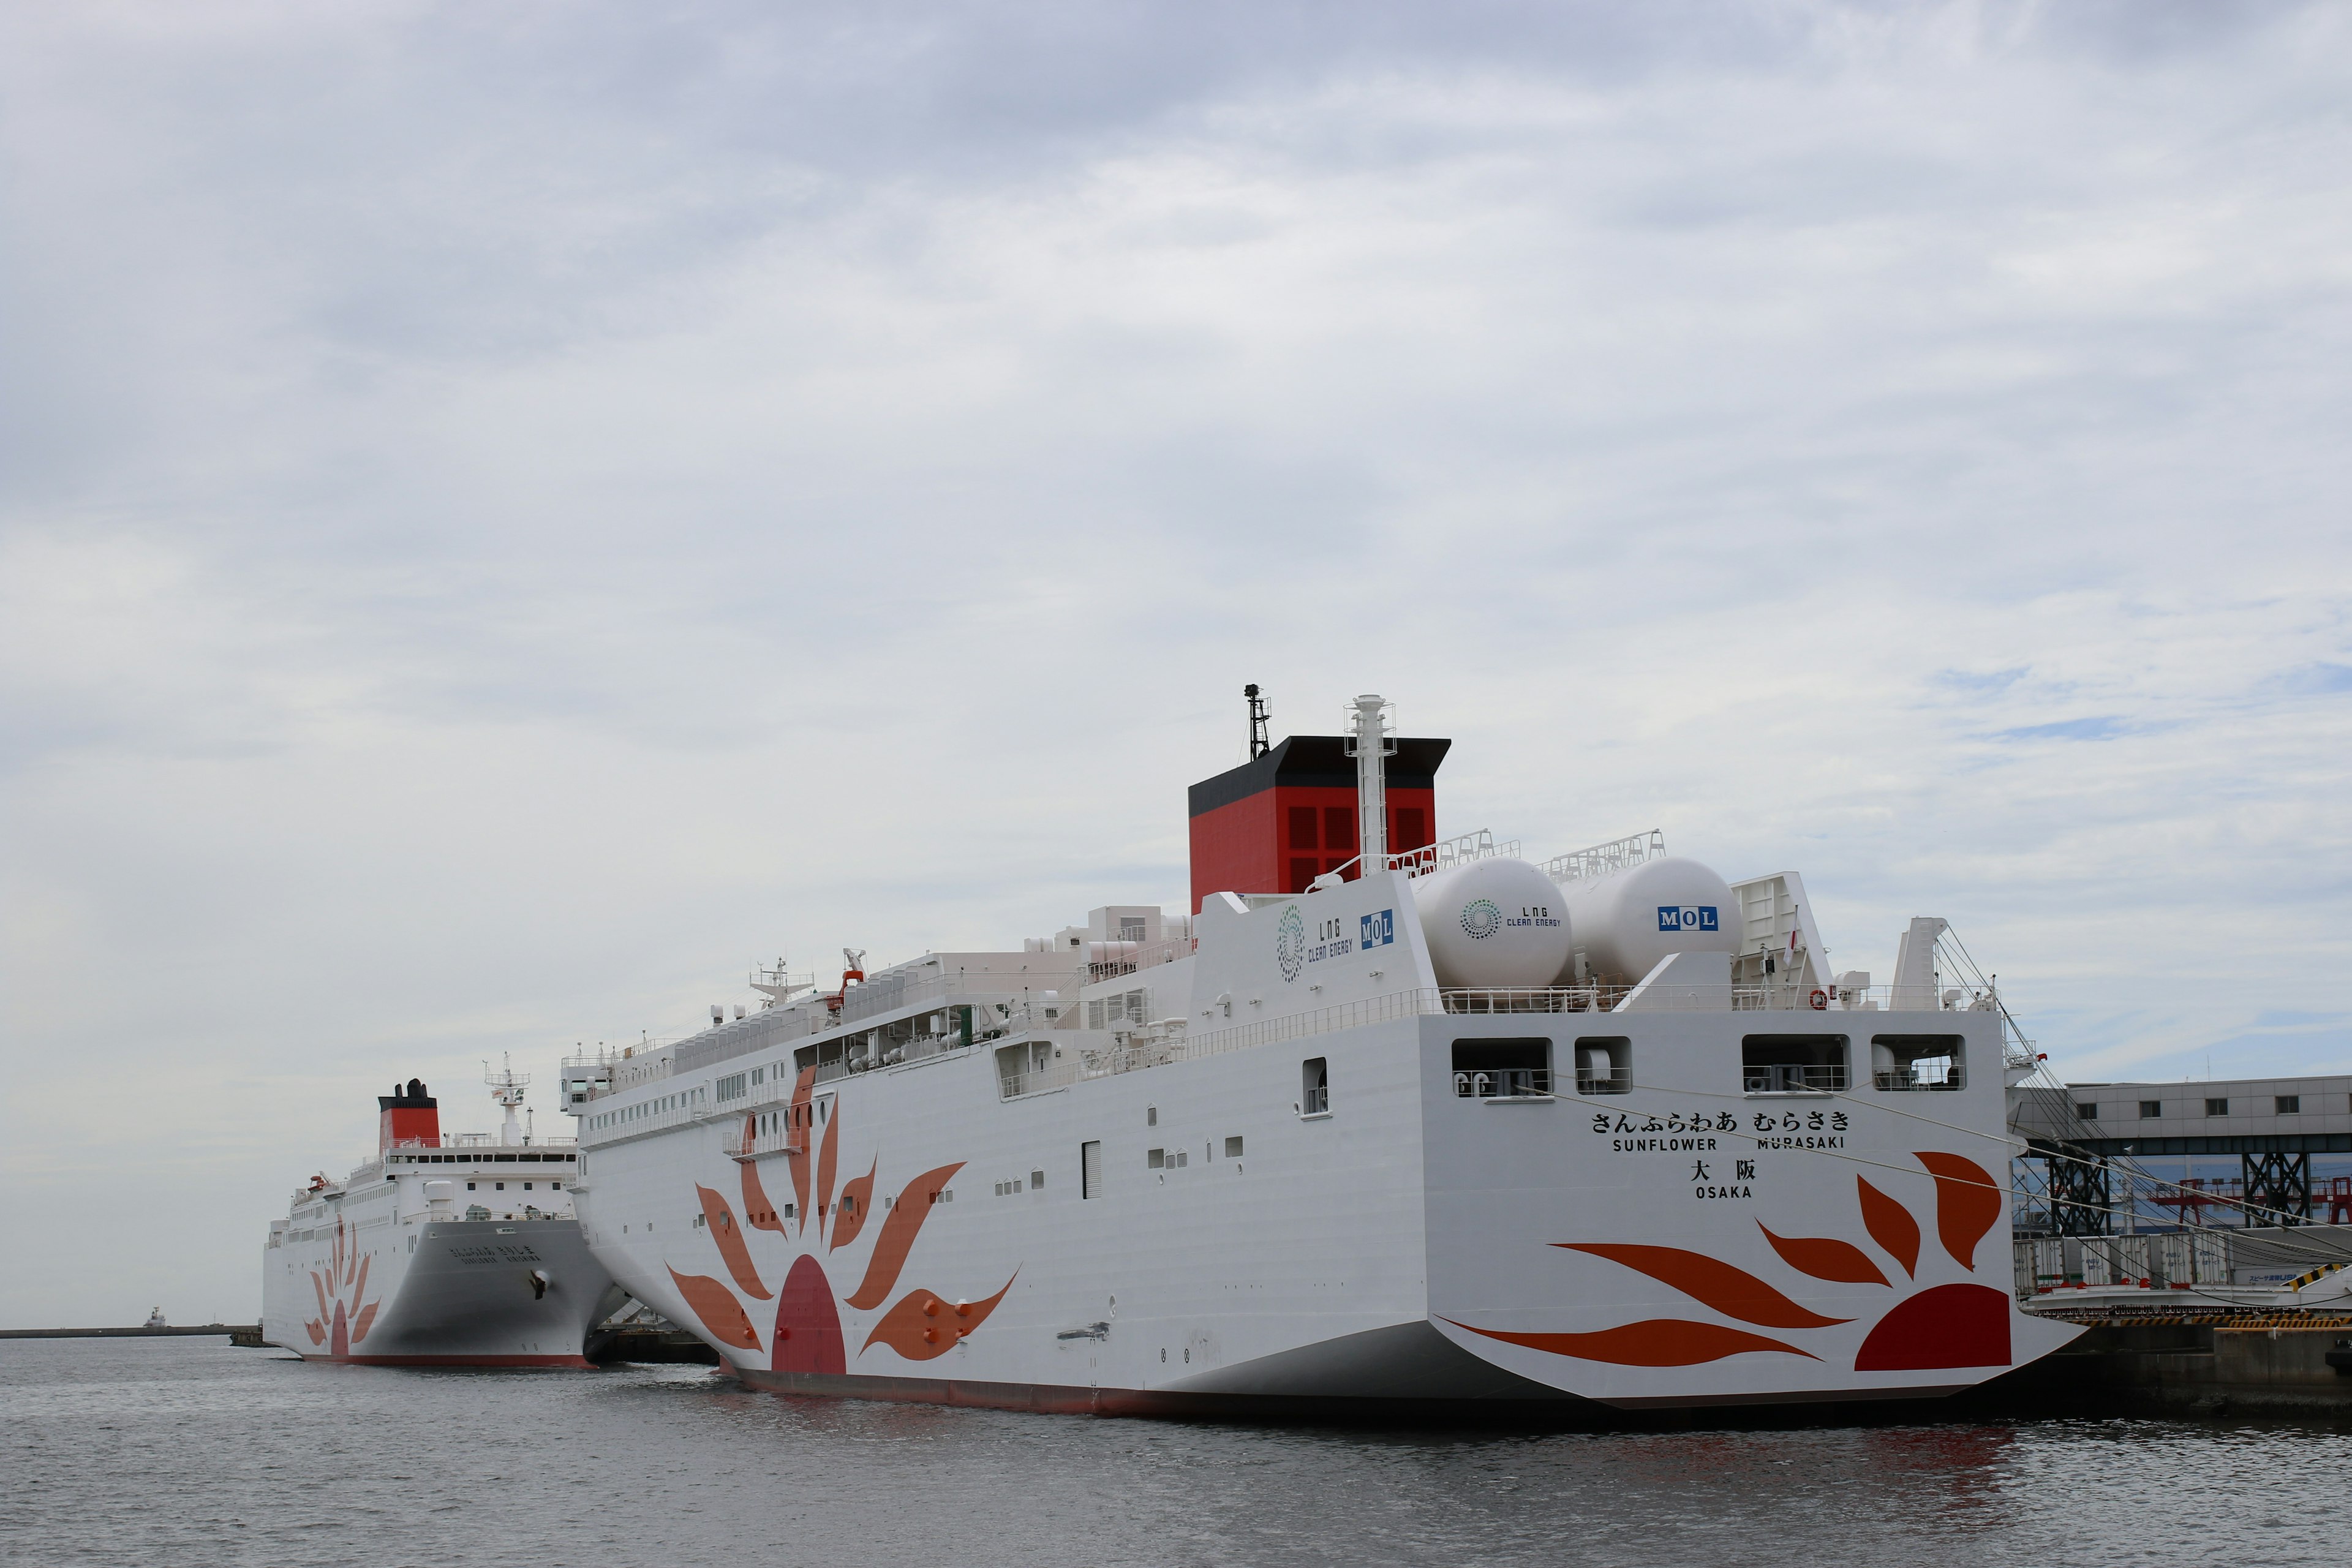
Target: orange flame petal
854,1199
1891,1226
365,1321
798,1159
720,1220
318,1332
825,1170
1966,1203
898,1238
719,1312
360,1289
320,1286
1734,1292
1656,1342
756,1206
923,1325
1824,1257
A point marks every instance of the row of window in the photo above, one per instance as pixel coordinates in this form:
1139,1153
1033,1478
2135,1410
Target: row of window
644,1108
1120,1011
1769,1064
1177,1159
532,1157
2149,1109
1315,1087
736,1085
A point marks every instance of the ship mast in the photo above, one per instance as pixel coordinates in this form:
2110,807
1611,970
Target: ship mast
1371,743
507,1087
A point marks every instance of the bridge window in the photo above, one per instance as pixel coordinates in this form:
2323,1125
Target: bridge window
1508,1070
1791,1064
2149,1109
1915,1061
2087,1113
2217,1108
2290,1105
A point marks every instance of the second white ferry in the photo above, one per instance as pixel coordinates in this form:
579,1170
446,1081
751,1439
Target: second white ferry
1381,1119
444,1250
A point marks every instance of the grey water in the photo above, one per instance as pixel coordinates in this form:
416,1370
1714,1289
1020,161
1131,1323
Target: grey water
189,1452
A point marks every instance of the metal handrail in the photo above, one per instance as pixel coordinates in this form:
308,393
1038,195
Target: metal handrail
759,1145
1429,859
1956,1077
1794,1077
1603,860
1502,1083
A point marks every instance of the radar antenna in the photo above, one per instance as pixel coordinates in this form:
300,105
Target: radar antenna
778,984
507,1087
1259,746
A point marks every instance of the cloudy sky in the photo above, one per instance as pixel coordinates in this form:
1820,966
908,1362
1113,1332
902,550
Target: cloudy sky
510,514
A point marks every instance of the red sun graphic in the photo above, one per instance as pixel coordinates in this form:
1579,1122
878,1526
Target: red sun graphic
1945,1326
807,1336
342,1321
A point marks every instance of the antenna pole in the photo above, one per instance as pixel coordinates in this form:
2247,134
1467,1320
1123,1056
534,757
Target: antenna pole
1259,746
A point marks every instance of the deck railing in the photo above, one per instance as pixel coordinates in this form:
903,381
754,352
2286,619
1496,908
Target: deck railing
1503,1083
1794,1077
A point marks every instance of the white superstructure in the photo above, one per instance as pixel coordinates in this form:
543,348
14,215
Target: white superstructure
442,1251
1380,1136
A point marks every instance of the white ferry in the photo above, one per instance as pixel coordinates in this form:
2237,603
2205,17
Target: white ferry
1381,1119
441,1251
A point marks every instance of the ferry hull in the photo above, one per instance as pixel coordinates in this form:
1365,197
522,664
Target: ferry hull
441,1293
1407,1369
1409,1247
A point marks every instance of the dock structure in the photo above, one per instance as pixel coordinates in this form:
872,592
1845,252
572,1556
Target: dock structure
639,1333
2093,1144
237,1333
2198,1287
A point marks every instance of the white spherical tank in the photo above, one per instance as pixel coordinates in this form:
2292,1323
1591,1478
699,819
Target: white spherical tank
1493,923
1625,923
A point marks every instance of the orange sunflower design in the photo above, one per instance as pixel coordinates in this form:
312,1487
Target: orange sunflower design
342,1321
1959,1324
807,1338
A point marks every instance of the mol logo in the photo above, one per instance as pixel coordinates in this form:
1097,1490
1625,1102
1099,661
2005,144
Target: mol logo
1379,929
1687,917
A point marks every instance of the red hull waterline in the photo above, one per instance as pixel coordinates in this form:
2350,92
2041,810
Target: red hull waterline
1055,1400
